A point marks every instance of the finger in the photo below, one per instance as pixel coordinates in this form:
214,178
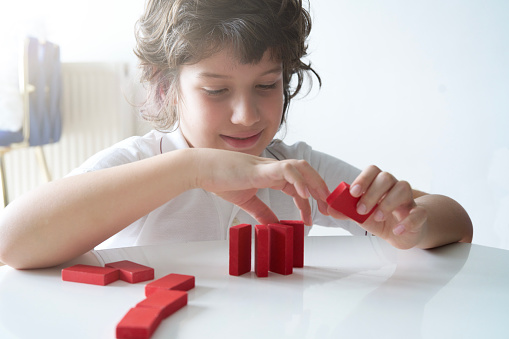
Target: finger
294,177
316,185
364,180
336,214
305,210
399,195
412,223
381,185
302,204
259,211
323,207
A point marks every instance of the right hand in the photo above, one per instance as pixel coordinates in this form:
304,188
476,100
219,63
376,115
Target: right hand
236,177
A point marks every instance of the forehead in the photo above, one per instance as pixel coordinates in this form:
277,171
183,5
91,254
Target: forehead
225,63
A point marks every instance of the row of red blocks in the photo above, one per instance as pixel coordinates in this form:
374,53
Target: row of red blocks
164,296
278,248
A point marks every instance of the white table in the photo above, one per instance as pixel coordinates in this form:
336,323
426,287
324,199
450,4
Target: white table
350,287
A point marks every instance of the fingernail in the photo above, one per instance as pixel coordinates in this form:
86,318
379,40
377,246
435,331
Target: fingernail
356,191
361,209
398,229
306,192
379,216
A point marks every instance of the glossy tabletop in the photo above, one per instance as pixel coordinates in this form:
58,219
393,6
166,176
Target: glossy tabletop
350,287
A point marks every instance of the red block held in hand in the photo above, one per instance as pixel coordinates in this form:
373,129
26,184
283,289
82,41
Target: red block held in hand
298,241
341,200
95,275
281,248
240,249
262,251
132,272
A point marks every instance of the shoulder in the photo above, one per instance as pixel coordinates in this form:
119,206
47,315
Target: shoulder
133,149
281,151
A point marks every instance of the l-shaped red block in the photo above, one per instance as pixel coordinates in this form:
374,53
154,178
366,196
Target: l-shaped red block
341,200
95,275
166,301
132,272
173,281
240,249
139,322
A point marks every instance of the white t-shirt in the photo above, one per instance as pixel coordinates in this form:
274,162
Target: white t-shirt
197,215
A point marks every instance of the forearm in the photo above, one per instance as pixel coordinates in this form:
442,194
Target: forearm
447,221
65,218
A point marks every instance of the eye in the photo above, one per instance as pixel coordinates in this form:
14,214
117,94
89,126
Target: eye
215,92
266,87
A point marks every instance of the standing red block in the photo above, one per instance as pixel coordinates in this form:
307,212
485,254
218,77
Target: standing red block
298,241
173,281
139,323
281,248
240,249
262,251
166,301
95,275
132,272
341,200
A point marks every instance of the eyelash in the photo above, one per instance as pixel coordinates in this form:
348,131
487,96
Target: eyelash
217,92
271,86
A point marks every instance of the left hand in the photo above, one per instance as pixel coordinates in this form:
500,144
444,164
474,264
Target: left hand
397,218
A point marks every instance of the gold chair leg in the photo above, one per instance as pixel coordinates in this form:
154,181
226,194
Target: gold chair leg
5,198
41,159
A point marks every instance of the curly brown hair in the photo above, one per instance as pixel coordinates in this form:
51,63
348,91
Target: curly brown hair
172,33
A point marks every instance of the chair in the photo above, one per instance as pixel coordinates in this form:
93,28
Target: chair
40,85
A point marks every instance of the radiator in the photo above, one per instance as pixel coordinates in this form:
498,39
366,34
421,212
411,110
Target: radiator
97,111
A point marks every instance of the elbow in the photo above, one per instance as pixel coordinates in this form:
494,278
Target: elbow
9,257
469,232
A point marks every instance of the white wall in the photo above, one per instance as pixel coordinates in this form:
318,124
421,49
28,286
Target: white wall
418,88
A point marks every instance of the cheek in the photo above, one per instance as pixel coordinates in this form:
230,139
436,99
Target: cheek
274,108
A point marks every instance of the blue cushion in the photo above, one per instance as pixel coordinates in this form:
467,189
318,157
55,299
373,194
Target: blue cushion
7,138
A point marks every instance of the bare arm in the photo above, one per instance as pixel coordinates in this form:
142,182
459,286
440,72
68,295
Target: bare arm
405,217
66,218
447,221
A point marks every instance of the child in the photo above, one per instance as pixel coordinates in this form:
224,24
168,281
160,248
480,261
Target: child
219,78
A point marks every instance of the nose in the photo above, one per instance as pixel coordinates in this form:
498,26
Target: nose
245,111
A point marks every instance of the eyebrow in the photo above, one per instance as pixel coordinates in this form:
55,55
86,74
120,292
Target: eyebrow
277,69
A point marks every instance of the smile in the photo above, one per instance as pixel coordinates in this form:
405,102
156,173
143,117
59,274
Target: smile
242,142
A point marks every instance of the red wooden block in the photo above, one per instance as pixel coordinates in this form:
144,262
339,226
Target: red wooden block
281,248
262,250
341,200
139,322
240,249
173,281
87,274
132,272
298,241
166,301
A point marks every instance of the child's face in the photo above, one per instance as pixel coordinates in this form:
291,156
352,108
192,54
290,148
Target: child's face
232,106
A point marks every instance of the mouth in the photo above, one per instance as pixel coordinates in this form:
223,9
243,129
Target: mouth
241,142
